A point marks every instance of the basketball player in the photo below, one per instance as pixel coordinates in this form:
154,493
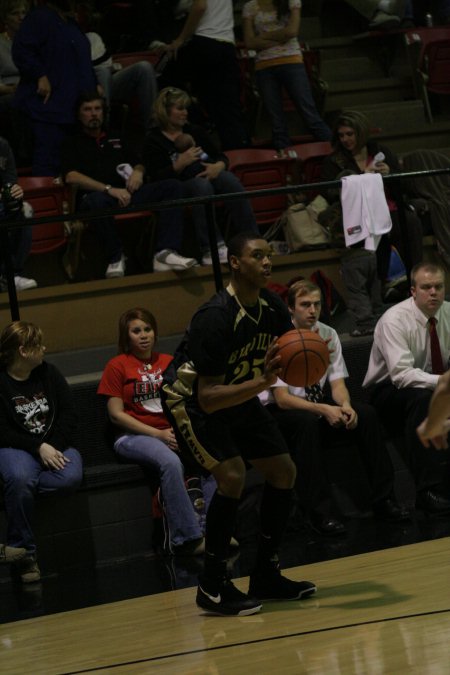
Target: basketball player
227,357
434,429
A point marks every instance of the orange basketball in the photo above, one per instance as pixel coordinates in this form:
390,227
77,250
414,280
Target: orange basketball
304,357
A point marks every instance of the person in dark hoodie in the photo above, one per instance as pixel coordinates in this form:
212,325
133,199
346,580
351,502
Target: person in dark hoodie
53,57
37,422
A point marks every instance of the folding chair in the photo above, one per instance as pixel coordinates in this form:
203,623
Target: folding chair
417,42
260,169
47,198
434,72
310,157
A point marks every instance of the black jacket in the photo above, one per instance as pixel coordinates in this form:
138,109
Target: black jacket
340,160
159,151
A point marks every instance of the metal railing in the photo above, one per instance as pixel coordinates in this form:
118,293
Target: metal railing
209,202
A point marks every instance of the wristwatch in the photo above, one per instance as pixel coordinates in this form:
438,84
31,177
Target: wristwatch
107,188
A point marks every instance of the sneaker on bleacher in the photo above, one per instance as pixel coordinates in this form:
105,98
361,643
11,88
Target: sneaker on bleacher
24,284
116,269
171,260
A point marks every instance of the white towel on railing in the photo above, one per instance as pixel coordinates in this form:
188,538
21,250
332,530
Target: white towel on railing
364,209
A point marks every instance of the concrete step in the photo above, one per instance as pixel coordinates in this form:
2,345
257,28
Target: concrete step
396,117
350,94
429,136
86,313
351,68
336,47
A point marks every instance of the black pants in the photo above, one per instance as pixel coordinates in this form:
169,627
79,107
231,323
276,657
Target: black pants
404,409
215,77
409,243
309,438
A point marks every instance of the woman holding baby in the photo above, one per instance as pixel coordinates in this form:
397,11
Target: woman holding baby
177,149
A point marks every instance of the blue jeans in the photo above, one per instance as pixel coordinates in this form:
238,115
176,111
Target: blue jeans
137,80
293,77
240,211
25,477
153,454
170,221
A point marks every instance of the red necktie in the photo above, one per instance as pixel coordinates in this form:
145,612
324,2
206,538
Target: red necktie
437,367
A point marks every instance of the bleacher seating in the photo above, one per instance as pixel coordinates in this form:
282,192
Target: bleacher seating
110,516
260,169
47,198
311,156
434,72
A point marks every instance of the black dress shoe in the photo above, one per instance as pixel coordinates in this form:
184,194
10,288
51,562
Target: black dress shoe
388,509
431,502
329,527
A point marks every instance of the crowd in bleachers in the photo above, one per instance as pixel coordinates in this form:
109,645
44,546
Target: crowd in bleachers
204,403
54,52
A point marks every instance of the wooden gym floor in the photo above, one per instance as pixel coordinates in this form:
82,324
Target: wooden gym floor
381,613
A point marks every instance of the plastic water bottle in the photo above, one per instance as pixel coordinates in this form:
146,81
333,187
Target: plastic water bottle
429,20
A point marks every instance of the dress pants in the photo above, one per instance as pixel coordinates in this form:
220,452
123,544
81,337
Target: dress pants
310,438
404,409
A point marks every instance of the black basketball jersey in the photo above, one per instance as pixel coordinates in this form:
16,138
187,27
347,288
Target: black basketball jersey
226,338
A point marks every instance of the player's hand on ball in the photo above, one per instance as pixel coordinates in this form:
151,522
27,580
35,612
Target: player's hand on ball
272,366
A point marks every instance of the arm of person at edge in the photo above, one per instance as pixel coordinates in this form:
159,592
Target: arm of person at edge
338,415
62,428
83,182
435,427
122,419
271,38
214,395
196,12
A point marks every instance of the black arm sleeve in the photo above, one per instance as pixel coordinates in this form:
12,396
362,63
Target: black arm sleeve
62,429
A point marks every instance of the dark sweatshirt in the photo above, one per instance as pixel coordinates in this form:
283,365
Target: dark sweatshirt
60,420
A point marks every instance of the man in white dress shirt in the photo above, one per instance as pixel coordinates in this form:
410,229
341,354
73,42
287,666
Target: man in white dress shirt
404,374
314,423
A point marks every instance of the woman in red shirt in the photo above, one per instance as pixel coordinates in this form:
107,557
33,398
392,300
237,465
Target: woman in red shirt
131,381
